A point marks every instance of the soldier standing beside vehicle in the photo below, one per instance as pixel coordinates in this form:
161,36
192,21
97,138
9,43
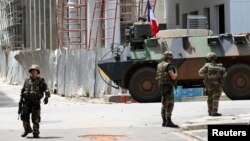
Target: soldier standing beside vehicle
32,92
166,77
213,74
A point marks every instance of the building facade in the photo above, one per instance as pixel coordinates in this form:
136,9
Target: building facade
224,16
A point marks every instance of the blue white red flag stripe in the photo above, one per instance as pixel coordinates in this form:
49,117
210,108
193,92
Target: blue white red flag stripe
153,21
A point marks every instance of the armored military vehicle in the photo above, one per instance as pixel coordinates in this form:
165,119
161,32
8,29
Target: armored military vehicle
133,66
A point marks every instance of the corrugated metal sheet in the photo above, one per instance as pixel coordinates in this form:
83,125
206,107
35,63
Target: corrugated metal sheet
71,72
10,70
3,64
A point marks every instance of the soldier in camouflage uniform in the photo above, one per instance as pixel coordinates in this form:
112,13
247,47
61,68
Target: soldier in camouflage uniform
166,77
31,94
213,74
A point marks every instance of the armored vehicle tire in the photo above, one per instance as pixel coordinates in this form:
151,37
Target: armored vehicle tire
237,82
143,87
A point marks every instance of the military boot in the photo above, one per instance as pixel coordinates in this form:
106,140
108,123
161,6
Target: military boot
215,114
36,136
169,123
26,133
164,121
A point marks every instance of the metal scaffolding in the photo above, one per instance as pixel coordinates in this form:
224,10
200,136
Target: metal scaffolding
11,24
88,24
72,23
128,12
103,23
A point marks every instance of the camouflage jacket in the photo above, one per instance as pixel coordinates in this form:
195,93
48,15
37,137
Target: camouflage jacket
34,89
213,73
162,75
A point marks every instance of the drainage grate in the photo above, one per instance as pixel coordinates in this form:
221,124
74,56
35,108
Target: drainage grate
103,137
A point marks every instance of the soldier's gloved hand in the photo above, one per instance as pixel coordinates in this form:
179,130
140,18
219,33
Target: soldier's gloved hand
19,112
46,100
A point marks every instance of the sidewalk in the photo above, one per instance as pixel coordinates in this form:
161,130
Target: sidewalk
197,128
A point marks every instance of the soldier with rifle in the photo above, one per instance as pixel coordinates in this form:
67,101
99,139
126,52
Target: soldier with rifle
32,92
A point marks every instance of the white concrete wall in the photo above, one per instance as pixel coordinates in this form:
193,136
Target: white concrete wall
240,17
160,11
187,6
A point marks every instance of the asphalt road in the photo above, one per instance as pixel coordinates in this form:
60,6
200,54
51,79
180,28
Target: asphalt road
5,101
64,119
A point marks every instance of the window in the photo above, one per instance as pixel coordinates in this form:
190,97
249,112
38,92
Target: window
221,19
194,13
177,14
207,14
184,21
195,23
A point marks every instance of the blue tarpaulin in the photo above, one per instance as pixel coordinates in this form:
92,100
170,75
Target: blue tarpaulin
180,92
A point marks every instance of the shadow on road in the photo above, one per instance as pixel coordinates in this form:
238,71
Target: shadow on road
46,138
5,101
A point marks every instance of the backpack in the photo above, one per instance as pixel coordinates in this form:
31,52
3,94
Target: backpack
162,76
214,71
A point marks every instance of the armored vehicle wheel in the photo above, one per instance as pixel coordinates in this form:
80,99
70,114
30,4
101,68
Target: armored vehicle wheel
237,82
143,87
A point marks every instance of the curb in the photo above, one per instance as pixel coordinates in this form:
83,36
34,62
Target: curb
124,98
204,126
201,123
202,98
193,127
190,130
193,136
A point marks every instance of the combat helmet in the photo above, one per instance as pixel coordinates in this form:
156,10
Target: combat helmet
211,56
34,67
142,18
168,55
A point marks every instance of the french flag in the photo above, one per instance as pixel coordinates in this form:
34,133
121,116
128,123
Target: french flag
152,20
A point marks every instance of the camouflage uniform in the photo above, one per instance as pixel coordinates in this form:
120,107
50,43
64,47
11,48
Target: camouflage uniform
167,96
32,92
166,89
213,74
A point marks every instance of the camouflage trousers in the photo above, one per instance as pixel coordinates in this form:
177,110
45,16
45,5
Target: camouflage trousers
32,109
213,92
167,100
